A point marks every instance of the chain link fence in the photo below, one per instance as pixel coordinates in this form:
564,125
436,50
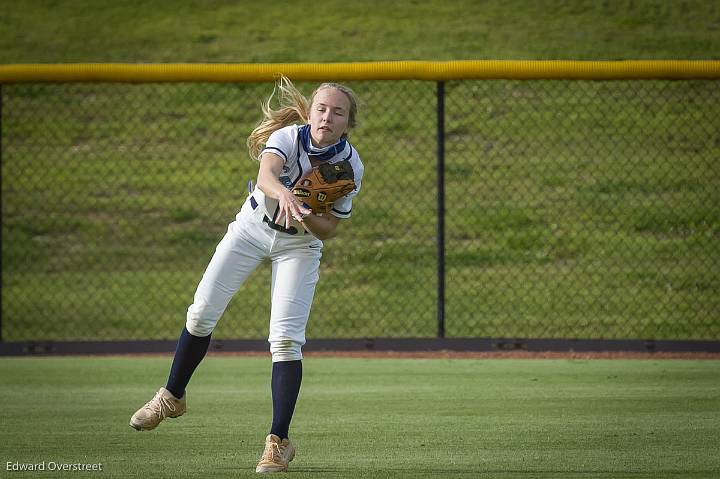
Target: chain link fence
572,209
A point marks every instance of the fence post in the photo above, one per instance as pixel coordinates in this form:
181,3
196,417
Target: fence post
441,207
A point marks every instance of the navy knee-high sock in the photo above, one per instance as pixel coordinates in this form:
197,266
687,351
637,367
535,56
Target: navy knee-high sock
286,379
190,351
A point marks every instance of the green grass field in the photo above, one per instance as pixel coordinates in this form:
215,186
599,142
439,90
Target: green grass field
278,31
375,418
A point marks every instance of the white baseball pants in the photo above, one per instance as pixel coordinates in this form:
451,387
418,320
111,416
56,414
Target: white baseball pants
295,272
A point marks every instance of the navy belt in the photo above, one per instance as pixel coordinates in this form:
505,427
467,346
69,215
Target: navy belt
291,231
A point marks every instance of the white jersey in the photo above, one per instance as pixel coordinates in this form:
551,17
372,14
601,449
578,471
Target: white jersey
286,144
295,252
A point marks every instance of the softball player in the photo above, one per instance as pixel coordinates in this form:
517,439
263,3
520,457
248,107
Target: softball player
272,223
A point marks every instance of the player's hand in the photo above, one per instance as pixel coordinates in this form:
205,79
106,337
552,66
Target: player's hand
290,207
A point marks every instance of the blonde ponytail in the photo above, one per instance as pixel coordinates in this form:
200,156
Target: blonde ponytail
293,109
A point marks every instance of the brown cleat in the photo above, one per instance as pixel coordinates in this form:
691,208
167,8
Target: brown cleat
277,455
163,405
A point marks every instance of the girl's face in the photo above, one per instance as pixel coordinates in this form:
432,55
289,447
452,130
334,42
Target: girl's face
329,115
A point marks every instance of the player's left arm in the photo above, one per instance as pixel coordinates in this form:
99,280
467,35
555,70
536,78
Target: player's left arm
323,227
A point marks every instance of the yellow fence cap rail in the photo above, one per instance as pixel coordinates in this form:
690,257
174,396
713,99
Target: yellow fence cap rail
391,70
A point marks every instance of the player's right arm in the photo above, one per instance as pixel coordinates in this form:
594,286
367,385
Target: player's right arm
270,169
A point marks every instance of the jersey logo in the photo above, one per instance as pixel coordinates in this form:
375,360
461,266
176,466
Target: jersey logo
285,180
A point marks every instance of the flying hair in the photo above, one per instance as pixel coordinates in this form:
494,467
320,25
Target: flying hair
293,109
